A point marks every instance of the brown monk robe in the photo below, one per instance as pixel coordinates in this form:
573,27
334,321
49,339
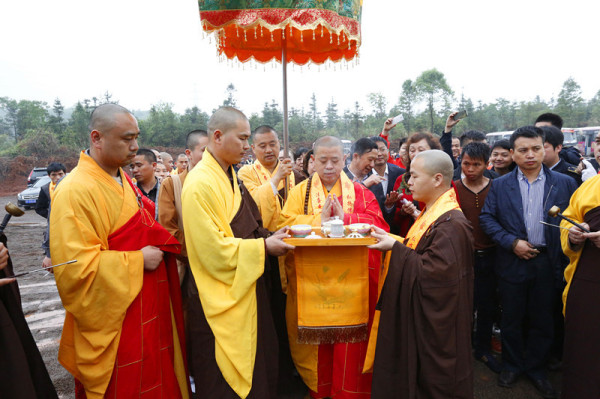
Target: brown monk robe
581,356
423,348
24,375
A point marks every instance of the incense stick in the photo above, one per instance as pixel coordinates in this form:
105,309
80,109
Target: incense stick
554,225
43,269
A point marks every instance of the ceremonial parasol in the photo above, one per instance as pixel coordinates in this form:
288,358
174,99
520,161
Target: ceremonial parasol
299,31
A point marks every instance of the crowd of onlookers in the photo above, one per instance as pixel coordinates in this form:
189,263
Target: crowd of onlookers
519,263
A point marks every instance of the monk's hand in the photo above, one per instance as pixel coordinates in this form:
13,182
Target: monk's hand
3,263
3,256
152,257
525,250
373,180
338,210
385,242
275,244
594,236
285,168
326,210
577,236
391,199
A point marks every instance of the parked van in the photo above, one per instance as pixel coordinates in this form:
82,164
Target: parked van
497,136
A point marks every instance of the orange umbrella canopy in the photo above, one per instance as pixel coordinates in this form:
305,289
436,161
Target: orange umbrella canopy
311,30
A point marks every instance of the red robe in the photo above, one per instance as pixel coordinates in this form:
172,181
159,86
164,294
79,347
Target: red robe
144,366
339,373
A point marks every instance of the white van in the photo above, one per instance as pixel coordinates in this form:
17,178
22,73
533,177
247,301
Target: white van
497,136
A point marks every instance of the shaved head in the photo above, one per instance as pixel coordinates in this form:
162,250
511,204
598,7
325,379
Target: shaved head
103,117
436,161
194,138
224,119
166,157
328,142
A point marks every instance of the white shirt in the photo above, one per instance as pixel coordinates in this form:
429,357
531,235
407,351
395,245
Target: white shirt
384,183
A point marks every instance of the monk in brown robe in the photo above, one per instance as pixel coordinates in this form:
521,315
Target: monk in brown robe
24,375
424,337
581,358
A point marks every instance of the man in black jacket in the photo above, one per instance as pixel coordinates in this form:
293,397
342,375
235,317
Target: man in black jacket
384,190
56,171
553,144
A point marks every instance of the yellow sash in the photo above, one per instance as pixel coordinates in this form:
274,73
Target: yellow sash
264,175
445,203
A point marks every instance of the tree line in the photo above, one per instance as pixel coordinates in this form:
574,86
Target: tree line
34,127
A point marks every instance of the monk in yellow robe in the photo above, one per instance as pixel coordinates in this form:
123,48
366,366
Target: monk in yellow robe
331,370
123,326
228,250
581,364
265,178
170,216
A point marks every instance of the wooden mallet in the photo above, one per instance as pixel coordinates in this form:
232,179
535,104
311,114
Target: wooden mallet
555,211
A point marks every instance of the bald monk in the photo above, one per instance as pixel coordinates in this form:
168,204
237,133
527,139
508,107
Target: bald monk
170,217
182,163
123,329
167,160
331,370
265,178
424,337
228,250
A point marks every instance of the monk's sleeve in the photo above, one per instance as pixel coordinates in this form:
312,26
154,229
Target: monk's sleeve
235,262
441,260
167,213
98,289
573,212
366,209
262,194
293,210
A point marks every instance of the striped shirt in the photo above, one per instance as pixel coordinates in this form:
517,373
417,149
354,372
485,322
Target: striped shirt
532,195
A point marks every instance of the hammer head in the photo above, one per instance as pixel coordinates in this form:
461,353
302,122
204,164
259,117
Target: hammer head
13,209
554,211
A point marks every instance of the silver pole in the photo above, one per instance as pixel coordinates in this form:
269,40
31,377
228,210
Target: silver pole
286,138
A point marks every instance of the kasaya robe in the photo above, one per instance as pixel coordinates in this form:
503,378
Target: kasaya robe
332,370
227,254
424,337
581,355
24,375
123,330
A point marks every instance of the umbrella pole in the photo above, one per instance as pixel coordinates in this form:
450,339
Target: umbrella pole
286,138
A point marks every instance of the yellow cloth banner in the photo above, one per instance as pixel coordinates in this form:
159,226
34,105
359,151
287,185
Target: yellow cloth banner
333,282
445,203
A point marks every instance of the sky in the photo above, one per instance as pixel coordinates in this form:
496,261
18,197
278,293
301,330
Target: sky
145,52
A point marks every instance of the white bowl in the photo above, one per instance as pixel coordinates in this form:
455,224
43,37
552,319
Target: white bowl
361,228
301,230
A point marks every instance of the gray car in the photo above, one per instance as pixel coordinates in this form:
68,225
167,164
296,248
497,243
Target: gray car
28,197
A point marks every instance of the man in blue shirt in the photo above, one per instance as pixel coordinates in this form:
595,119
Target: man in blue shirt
529,260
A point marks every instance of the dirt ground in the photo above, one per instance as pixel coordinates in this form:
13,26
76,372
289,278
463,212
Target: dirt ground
45,314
